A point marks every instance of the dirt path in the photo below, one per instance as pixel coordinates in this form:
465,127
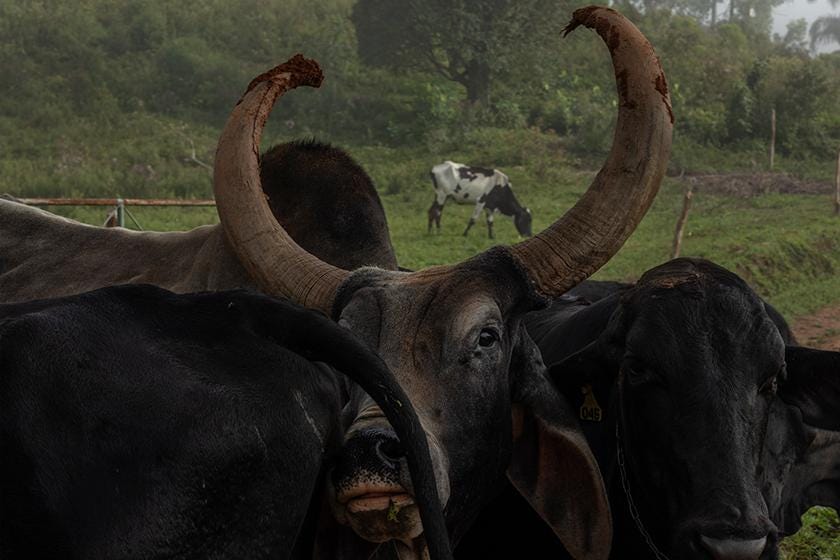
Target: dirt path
820,330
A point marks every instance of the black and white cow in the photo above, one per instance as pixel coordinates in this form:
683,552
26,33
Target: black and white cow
488,189
136,423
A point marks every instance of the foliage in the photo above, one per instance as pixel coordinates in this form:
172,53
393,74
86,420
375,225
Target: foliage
396,75
471,42
825,29
818,539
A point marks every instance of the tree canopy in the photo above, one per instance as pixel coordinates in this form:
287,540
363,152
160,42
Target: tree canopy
111,87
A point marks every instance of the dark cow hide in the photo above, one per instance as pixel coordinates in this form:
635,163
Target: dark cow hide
136,423
727,434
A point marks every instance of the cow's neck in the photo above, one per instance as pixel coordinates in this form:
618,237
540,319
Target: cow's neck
633,524
509,206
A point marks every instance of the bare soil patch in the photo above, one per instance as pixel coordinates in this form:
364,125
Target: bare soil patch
820,330
753,184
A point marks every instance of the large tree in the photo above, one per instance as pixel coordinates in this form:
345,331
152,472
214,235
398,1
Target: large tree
825,30
470,42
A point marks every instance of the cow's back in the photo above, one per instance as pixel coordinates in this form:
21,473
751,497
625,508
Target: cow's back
43,255
139,425
458,182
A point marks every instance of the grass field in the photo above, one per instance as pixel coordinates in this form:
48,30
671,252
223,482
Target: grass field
787,246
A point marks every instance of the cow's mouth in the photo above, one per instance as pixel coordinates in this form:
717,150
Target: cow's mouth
376,501
374,497
379,513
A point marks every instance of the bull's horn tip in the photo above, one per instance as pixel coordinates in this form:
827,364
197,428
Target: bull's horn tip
579,17
301,71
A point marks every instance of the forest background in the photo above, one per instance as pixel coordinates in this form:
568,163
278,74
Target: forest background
106,96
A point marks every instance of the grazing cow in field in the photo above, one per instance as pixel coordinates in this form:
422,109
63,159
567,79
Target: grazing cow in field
452,335
713,432
488,189
136,423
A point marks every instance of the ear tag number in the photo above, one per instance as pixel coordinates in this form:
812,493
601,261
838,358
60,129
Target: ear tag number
590,410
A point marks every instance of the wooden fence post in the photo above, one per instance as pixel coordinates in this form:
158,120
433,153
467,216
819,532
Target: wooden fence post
837,186
772,138
678,234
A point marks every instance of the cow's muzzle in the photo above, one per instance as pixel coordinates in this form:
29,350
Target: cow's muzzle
744,539
734,549
370,484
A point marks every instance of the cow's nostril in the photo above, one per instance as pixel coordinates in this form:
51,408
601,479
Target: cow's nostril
390,450
734,549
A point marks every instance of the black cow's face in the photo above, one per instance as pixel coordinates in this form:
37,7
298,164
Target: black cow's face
699,369
475,378
701,382
522,221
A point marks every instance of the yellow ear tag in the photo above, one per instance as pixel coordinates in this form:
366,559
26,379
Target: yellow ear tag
590,410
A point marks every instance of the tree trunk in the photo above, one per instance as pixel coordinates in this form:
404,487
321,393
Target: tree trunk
731,10
477,82
837,186
714,12
772,138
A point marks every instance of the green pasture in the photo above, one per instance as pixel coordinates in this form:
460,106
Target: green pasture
786,245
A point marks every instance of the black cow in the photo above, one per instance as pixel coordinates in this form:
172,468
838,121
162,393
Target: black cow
136,423
713,435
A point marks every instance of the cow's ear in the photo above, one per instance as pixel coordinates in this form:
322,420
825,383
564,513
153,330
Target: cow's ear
552,466
804,436
813,386
586,379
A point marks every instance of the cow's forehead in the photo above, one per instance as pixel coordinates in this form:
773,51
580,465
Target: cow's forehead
456,304
494,274
706,328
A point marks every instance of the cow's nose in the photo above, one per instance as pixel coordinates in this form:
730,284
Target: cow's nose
371,450
734,549
389,449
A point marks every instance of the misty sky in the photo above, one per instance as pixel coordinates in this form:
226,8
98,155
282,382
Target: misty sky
795,9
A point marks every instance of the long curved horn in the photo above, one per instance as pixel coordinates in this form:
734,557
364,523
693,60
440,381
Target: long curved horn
272,258
591,232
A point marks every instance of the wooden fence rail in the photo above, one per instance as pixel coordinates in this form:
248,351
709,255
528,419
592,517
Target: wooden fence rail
117,216
116,202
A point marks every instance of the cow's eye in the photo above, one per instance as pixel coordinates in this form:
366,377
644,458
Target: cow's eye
636,372
488,337
770,386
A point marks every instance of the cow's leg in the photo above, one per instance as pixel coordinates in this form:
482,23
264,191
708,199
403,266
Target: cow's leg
435,210
489,222
479,206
